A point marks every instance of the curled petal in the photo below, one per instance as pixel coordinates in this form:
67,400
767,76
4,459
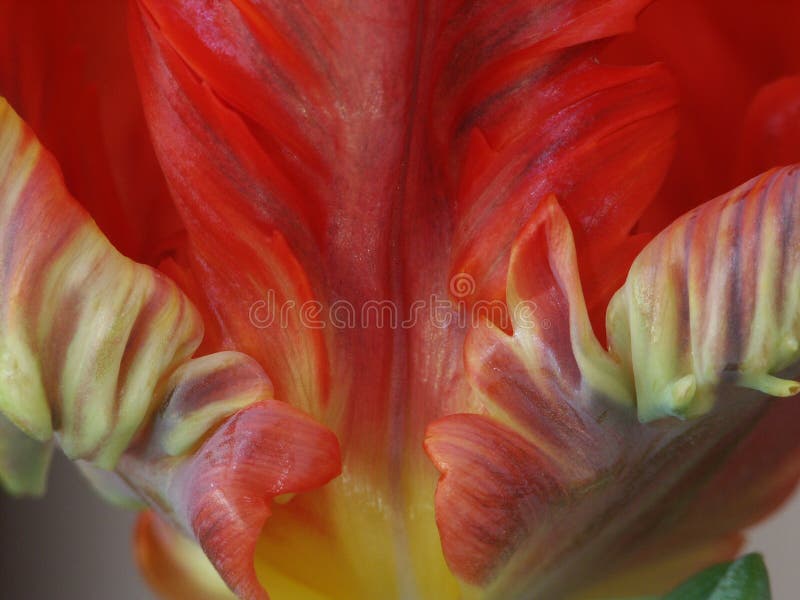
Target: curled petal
276,449
86,333
713,301
94,351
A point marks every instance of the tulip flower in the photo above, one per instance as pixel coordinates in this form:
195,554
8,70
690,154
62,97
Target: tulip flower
488,300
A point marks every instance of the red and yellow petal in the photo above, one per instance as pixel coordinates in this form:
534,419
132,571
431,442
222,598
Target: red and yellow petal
70,300
582,453
466,128
95,351
712,302
276,450
544,439
177,569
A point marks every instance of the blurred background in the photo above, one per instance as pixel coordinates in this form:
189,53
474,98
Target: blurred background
72,546
69,545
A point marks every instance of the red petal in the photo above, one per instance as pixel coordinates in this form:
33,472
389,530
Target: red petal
582,121
66,68
771,136
722,52
367,152
365,148
211,156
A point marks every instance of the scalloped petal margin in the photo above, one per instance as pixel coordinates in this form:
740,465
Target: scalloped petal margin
505,472
94,352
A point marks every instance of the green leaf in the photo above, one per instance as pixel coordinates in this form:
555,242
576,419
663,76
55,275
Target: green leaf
743,579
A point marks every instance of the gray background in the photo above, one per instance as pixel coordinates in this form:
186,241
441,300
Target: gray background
72,546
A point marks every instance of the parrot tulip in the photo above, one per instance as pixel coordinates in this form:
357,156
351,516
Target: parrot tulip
405,300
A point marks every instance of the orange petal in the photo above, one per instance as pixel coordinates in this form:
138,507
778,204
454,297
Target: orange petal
175,566
486,508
